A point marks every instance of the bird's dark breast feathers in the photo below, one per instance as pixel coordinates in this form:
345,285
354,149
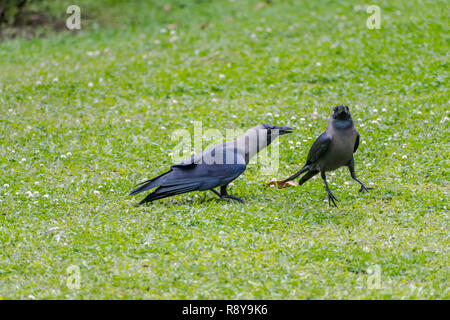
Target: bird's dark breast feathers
339,153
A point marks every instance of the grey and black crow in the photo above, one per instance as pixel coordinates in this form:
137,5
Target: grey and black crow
333,149
215,167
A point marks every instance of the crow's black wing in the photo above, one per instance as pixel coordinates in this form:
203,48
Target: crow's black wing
356,143
197,177
319,148
207,176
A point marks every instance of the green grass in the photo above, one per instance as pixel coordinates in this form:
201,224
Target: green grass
70,152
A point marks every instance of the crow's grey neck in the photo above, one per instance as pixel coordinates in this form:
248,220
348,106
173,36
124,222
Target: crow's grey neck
341,124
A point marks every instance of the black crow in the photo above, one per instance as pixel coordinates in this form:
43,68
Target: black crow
215,167
333,149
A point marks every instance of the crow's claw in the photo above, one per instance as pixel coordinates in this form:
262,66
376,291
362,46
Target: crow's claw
364,189
332,198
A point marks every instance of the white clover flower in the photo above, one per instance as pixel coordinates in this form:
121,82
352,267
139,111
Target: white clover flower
6,185
302,119
221,76
127,120
93,53
69,154
293,118
46,196
163,30
214,100
55,79
318,64
90,84
63,156
23,159
269,114
404,157
96,192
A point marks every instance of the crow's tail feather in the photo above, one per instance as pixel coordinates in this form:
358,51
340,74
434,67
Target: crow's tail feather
164,192
308,176
147,185
295,175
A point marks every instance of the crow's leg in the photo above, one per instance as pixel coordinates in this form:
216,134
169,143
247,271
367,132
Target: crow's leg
295,175
351,167
224,194
308,176
331,197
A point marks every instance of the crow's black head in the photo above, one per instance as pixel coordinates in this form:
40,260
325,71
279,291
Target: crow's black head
341,112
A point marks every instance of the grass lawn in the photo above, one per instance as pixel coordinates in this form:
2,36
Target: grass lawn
86,115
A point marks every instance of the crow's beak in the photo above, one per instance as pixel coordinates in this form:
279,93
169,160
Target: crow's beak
284,130
342,111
